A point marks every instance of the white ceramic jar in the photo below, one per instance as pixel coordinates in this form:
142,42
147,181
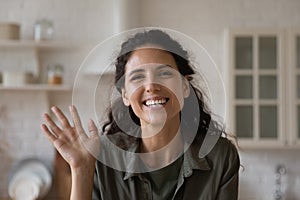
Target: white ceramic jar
30,180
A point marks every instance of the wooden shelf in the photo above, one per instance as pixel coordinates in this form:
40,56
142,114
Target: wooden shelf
43,44
36,87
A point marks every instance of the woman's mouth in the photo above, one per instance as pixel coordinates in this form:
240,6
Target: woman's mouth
155,102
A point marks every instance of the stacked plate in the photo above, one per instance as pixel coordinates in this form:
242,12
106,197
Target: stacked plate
9,31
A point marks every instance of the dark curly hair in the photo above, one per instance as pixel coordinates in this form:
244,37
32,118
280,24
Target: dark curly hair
201,118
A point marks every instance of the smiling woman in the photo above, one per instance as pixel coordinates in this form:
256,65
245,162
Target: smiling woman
153,77
154,88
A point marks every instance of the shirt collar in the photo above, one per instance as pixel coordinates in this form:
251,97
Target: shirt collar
191,161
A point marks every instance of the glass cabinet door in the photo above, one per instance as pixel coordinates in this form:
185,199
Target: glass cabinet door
243,57
256,83
268,121
243,52
267,49
244,121
267,103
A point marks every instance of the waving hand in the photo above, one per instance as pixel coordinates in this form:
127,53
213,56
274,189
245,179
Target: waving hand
70,140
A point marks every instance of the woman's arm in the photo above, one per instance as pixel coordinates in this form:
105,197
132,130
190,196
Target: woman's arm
70,142
82,183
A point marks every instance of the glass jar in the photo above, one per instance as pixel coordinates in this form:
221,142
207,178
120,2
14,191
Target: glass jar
55,74
43,29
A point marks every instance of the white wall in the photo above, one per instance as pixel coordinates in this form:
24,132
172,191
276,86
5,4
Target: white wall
75,20
95,20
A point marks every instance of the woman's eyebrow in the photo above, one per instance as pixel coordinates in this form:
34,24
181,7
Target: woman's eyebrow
136,71
164,66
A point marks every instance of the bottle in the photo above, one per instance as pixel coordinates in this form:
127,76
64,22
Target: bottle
55,74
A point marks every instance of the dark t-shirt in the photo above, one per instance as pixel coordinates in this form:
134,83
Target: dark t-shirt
163,182
213,177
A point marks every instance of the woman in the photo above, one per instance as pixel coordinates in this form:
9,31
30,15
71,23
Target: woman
154,78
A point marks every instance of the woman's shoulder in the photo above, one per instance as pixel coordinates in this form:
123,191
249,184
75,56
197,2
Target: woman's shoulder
224,151
216,150
225,142
224,146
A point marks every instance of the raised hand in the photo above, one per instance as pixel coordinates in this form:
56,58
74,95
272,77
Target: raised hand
71,141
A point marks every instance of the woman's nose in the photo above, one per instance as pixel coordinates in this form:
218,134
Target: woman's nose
152,87
151,83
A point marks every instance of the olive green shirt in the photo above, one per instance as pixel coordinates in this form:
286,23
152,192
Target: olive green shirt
213,177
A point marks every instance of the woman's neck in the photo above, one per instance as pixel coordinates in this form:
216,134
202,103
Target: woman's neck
155,137
164,147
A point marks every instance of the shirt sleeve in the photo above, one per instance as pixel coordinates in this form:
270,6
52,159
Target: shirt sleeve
228,189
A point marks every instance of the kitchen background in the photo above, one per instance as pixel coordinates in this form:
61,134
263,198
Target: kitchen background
79,25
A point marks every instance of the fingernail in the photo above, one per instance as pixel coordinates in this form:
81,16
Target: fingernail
53,108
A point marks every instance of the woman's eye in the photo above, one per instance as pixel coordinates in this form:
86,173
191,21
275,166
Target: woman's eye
137,77
165,73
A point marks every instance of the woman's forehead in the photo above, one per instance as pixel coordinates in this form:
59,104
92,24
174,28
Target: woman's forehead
153,56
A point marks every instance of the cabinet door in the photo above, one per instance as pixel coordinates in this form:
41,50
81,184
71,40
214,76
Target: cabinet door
256,71
243,84
298,85
294,87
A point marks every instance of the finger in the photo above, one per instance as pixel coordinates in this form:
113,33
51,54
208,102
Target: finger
77,121
92,128
61,117
49,135
54,128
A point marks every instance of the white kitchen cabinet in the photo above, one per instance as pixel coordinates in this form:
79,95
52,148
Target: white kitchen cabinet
263,87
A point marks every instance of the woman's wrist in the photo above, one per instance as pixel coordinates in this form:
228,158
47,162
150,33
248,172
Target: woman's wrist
84,168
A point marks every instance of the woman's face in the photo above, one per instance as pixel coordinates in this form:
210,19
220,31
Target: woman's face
154,88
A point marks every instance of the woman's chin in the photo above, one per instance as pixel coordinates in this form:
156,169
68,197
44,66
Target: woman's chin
157,117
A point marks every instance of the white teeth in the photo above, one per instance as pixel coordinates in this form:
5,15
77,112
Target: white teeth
155,102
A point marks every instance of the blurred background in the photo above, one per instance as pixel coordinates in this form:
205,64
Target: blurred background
255,44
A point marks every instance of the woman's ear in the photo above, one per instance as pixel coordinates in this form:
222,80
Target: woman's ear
125,98
186,87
